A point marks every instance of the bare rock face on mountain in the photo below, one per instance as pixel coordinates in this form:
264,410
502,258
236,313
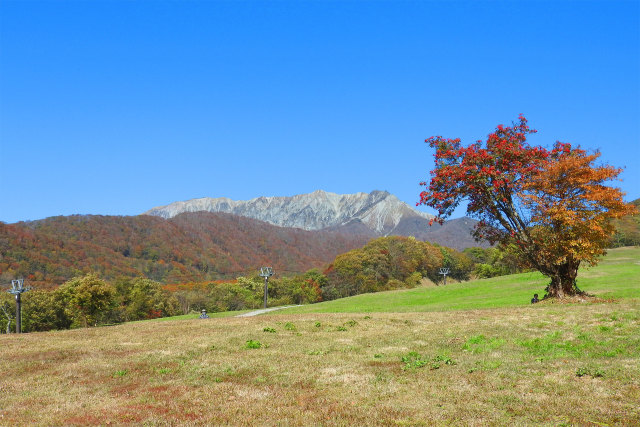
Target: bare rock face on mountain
379,211
367,215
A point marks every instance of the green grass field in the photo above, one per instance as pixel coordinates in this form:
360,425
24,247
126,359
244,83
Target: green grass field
487,361
191,316
617,276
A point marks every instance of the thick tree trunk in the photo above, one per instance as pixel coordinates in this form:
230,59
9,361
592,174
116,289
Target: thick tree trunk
563,282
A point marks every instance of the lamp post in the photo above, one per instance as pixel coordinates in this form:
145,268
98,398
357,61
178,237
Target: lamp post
17,288
266,272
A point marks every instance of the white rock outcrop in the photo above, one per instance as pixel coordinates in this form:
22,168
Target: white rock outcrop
378,210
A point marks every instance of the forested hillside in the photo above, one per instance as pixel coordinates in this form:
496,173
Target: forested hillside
189,247
627,229
200,246
384,263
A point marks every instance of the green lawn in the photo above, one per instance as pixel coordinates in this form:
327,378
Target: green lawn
191,316
617,276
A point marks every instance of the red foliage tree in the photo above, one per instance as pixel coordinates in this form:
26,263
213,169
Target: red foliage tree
553,205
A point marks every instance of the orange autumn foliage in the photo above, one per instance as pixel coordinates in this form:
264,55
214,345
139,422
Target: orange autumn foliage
189,286
572,207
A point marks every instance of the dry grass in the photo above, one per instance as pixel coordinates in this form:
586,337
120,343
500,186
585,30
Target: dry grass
512,366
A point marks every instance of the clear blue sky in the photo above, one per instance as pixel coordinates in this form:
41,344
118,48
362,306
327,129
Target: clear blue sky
116,107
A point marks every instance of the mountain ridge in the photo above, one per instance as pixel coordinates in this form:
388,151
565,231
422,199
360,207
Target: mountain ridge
202,245
380,211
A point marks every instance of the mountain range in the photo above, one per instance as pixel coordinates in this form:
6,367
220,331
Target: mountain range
374,214
379,211
209,239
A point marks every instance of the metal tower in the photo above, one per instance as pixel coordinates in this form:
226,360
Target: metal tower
266,272
17,288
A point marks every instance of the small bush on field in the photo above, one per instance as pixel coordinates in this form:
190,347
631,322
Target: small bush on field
252,344
271,330
445,359
351,323
590,371
120,373
341,328
290,326
318,324
413,360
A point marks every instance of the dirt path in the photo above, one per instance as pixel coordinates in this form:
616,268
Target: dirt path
264,310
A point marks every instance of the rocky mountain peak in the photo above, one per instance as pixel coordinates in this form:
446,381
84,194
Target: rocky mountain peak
380,211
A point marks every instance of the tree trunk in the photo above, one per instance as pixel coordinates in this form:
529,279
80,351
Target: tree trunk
563,282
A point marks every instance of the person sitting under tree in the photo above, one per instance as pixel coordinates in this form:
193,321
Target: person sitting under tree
534,299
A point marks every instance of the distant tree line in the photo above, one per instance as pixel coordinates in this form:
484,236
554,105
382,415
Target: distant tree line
90,301
627,230
385,263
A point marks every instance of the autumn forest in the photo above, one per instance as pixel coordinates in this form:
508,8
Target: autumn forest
95,270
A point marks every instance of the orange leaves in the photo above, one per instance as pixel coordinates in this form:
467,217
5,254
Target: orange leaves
569,198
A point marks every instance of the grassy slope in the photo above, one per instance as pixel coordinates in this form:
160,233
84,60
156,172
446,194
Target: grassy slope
546,364
538,365
192,316
617,276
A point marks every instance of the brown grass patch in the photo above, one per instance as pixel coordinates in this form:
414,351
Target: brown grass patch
579,299
501,364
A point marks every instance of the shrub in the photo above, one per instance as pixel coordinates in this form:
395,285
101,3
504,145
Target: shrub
253,344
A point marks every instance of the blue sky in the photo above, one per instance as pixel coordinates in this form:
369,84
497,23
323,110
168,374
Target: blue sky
116,107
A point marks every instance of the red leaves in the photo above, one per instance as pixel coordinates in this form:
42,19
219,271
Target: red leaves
436,220
470,172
